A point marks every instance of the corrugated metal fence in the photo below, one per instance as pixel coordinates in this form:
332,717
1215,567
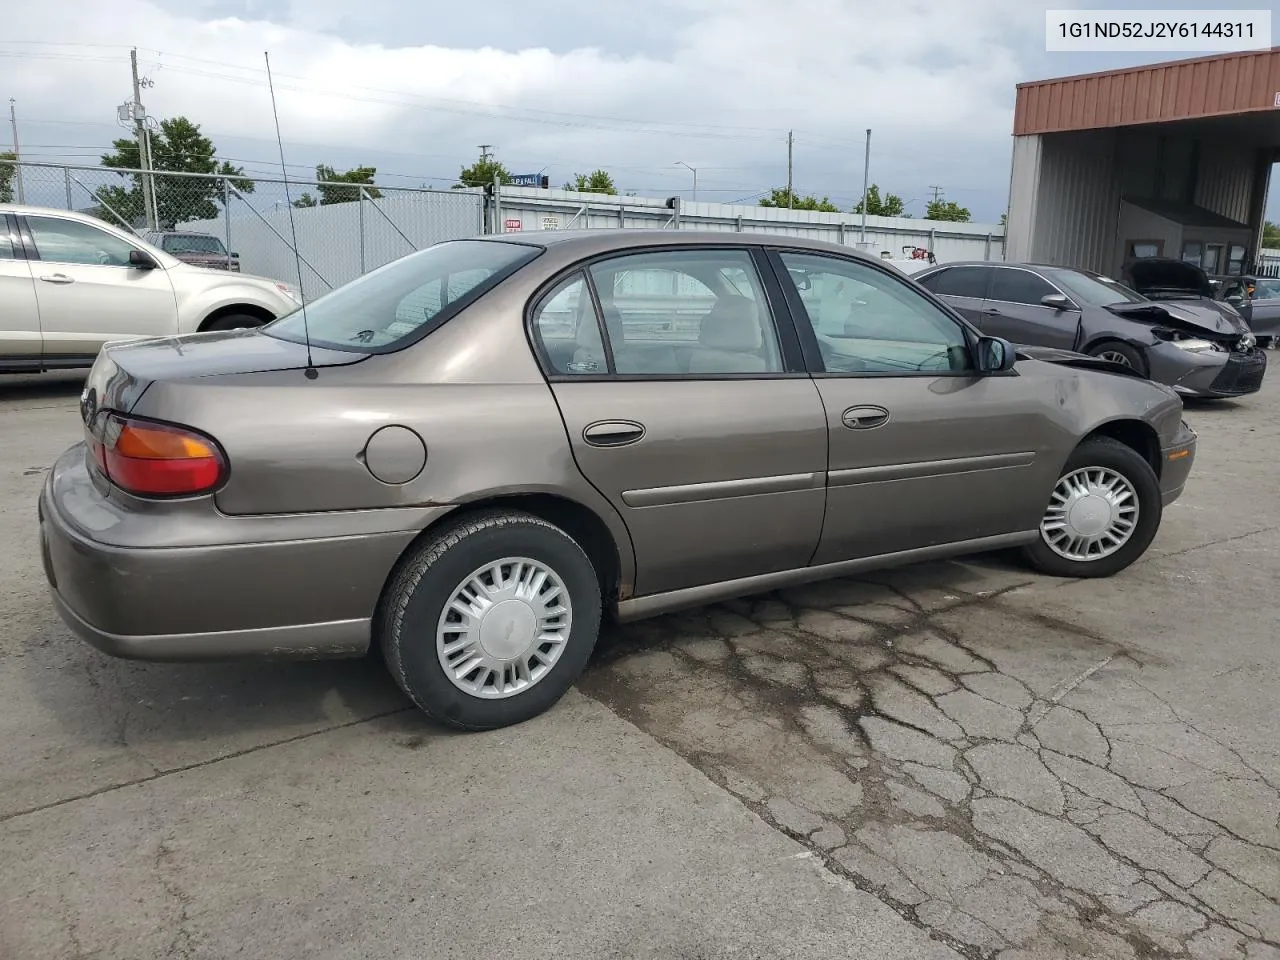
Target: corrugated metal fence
344,230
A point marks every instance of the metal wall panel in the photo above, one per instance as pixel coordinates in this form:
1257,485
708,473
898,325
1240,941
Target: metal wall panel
1066,188
1024,191
1078,201
1205,87
1226,179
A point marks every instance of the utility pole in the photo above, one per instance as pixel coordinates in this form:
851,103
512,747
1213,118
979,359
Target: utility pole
790,194
485,152
144,145
17,157
937,192
866,175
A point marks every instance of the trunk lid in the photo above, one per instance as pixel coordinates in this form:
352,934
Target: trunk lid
123,371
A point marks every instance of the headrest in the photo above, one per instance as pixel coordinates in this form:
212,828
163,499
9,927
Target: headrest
732,324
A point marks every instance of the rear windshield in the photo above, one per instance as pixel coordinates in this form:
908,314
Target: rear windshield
393,306
1094,289
192,243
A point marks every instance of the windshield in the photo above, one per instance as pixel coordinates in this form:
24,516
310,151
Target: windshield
399,303
1095,289
193,243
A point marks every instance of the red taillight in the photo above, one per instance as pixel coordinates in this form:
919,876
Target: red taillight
156,459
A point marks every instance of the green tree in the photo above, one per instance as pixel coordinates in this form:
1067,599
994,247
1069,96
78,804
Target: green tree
356,175
1270,234
890,206
946,210
179,146
1004,219
784,198
598,181
306,200
482,173
7,172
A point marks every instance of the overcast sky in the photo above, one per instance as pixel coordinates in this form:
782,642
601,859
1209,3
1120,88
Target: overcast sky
561,86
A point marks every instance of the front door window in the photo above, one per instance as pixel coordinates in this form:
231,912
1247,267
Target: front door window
69,241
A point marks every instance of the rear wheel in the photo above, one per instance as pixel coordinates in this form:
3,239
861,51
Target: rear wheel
1120,353
1102,515
488,622
234,321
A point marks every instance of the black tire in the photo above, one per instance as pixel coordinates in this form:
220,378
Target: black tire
1105,452
1265,343
1132,357
234,321
415,600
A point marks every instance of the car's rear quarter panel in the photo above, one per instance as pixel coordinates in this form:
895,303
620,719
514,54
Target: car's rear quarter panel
472,391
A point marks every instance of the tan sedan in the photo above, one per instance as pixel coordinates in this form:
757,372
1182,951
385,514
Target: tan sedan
471,454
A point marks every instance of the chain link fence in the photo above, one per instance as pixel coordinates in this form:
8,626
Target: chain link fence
243,223
344,230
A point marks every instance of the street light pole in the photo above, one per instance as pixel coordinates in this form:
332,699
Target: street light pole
866,173
17,156
694,171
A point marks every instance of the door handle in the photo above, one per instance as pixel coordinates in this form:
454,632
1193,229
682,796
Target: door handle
57,278
613,433
990,310
865,417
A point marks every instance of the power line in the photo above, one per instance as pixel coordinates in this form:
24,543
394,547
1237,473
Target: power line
689,128
512,114
475,103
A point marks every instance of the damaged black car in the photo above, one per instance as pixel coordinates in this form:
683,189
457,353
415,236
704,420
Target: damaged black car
1165,325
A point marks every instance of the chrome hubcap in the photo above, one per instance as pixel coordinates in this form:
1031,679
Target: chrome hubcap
1092,514
1114,357
504,628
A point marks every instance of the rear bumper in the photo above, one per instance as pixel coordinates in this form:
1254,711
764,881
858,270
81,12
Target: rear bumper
234,595
342,638
1175,464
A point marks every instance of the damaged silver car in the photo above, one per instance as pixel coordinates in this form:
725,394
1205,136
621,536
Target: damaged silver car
1169,329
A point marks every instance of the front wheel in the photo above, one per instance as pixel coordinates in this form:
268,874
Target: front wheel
488,622
1102,515
1121,353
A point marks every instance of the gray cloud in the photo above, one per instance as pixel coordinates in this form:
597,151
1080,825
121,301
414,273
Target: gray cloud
564,85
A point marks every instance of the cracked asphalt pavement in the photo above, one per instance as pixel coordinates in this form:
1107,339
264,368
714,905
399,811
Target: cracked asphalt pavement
955,759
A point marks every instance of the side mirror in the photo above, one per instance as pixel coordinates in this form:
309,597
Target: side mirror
1056,300
995,355
1235,299
142,261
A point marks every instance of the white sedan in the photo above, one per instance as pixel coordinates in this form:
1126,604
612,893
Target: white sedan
70,283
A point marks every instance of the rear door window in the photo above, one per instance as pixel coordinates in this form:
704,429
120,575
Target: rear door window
690,313
567,330
1267,290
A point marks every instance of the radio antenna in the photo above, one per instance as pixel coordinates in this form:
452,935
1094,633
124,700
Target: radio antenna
310,372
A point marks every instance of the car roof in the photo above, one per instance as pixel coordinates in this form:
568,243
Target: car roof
1000,263
589,242
26,210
